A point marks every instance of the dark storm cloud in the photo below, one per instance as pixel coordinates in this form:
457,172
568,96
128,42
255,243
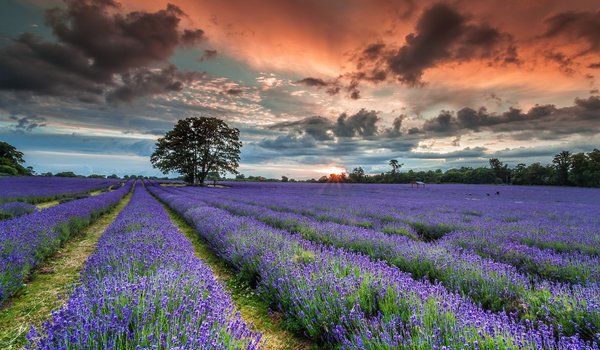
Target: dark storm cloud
191,38
117,42
234,92
316,126
443,34
564,62
591,104
394,131
28,123
547,121
315,82
29,64
96,44
208,55
143,82
363,124
583,25
332,87
356,134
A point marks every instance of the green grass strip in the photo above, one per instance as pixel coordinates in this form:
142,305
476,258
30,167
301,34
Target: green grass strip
251,306
48,285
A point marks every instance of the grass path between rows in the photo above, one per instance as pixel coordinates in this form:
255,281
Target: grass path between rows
251,306
54,202
48,285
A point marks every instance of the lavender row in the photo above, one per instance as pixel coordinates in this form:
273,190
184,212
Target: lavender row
15,209
570,267
562,219
144,288
27,240
517,243
497,287
344,298
35,189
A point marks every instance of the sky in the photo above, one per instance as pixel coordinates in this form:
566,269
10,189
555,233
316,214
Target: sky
313,86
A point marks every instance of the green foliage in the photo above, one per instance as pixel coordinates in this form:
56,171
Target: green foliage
8,170
197,147
430,232
66,174
11,161
357,175
581,169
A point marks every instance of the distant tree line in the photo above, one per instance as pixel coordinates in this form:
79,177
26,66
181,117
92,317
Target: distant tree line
99,176
567,169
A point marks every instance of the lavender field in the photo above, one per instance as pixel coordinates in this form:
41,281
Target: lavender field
390,266
35,189
344,266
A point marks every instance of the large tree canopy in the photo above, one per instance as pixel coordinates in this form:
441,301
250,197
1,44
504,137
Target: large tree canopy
198,146
11,160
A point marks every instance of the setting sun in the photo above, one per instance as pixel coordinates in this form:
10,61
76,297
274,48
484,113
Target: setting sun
332,169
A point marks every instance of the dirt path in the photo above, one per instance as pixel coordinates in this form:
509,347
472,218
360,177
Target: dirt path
253,309
49,283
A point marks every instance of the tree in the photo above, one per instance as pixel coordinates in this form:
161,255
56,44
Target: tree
12,160
66,174
562,164
501,170
395,165
198,146
579,165
358,174
284,178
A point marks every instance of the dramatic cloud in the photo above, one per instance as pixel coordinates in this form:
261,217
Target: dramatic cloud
564,62
315,82
27,124
443,34
362,124
117,42
579,26
234,91
96,45
331,87
547,120
143,82
208,55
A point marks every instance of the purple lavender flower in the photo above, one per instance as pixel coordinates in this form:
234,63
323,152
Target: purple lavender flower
144,288
340,297
27,240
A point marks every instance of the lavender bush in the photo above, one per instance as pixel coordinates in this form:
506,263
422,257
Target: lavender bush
15,209
29,239
144,288
35,189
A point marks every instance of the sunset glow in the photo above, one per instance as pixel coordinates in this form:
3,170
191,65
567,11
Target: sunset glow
332,170
353,83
